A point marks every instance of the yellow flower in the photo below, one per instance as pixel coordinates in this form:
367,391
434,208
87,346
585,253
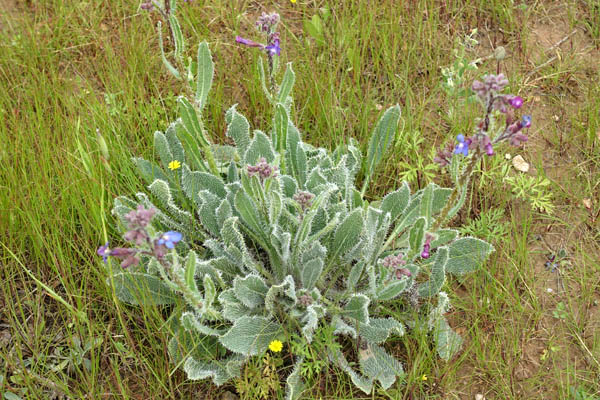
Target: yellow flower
424,377
275,346
173,165
293,1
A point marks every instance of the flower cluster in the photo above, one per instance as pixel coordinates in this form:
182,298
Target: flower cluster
304,199
395,262
266,24
137,234
488,92
262,169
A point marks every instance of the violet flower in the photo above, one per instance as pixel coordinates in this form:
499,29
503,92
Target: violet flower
140,217
129,256
248,42
273,48
463,145
104,252
427,246
516,101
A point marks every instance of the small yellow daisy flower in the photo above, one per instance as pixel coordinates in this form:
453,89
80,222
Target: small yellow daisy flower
424,377
275,346
293,1
173,165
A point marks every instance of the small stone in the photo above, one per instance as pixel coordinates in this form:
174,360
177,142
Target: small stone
500,53
229,396
479,396
520,164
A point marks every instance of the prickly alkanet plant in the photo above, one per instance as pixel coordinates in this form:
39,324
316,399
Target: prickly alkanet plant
270,237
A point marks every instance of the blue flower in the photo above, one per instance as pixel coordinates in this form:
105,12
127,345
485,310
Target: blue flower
104,252
169,239
526,121
274,49
462,147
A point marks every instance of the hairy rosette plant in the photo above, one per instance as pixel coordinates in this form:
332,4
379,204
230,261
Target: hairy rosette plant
269,239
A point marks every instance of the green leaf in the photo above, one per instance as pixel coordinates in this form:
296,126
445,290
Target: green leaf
251,335
206,71
177,35
348,233
194,182
438,275
357,308
375,363
427,204
190,121
287,83
417,236
444,236
250,290
190,271
379,329
467,254
448,342
219,370
280,126
395,203
282,294
259,147
392,289
294,384
149,171
137,288
249,213
210,291
238,129
337,357
381,139
166,62
310,273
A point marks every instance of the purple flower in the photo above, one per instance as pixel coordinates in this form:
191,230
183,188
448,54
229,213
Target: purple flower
148,6
402,272
304,199
262,169
137,236
169,239
273,48
394,261
484,143
248,42
517,138
140,217
127,255
267,22
427,246
462,147
104,252
516,101
526,121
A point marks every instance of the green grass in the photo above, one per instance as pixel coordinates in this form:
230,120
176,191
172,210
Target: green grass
69,68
